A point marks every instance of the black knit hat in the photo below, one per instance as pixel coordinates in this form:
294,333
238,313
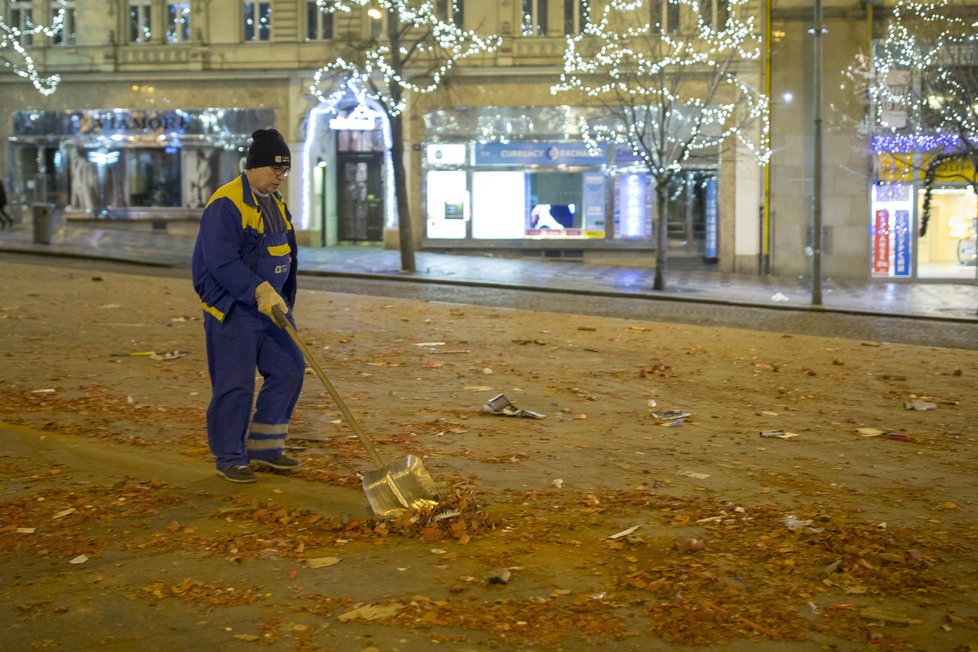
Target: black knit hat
268,148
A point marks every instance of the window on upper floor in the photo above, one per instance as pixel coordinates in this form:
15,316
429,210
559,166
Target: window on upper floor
575,16
67,34
715,13
22,18
665,16
451,11
257,21
319,25
140,22
177,22
378,22
534,18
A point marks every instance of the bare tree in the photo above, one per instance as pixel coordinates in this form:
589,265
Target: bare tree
664,78
416,46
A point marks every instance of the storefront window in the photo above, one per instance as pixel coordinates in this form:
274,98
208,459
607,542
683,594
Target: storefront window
446,204
153,177
498,205
554,203
947,249
891,230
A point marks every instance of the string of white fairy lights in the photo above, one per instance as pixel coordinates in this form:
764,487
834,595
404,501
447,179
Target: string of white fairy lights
12,37
915,75
681,87
431,43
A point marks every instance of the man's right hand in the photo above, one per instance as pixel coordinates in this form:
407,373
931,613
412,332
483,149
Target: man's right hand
268,298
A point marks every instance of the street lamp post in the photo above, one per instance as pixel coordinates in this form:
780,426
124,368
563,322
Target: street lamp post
817,31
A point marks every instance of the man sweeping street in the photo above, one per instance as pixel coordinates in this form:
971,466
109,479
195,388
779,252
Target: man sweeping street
244,266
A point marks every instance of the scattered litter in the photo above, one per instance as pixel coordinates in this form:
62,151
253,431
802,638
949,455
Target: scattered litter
558,483
794,523
500,576
587,328
693,474
869,432
898,436
778,434
451,513
919,404
26,530
624,533
322,562
49,390
872,613
779,297
670,415
430,344
80,559
652,403
168,355
371,612
134,354
501,405
64,512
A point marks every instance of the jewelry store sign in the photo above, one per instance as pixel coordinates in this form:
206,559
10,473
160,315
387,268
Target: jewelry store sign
138,122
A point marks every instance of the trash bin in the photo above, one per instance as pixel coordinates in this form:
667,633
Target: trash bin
44,215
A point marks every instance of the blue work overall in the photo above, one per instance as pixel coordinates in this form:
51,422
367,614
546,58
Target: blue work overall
243,341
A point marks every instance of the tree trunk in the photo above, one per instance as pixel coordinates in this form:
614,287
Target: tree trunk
404,229
661,227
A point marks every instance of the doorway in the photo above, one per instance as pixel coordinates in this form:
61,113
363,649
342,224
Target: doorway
360,200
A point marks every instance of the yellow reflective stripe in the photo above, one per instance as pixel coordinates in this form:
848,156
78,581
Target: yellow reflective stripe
280,250
213,311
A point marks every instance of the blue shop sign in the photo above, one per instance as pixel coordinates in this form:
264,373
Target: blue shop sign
901,244
544,153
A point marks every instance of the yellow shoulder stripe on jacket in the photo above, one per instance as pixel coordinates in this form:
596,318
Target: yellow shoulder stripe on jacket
214,311
280,250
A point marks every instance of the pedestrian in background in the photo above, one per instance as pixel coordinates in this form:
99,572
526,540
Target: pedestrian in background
5,219
243,266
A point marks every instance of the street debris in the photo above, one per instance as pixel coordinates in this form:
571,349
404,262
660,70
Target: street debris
778,434
792,522
371,612
693,474
500,576
919,404
624,533
322,562
500,405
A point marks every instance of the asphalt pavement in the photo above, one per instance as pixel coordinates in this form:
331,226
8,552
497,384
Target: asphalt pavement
172,247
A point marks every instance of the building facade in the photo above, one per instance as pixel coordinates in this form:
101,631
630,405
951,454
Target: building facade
157,100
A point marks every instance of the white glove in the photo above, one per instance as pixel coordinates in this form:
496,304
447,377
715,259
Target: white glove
268,298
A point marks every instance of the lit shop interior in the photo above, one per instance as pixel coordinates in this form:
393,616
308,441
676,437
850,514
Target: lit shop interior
947,248
119,163
547,190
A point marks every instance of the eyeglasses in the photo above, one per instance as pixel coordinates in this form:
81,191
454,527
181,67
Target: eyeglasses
281,171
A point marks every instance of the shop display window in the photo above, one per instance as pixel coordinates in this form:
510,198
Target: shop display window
499,205
891,229
553,204
947,248
153,177
446,204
